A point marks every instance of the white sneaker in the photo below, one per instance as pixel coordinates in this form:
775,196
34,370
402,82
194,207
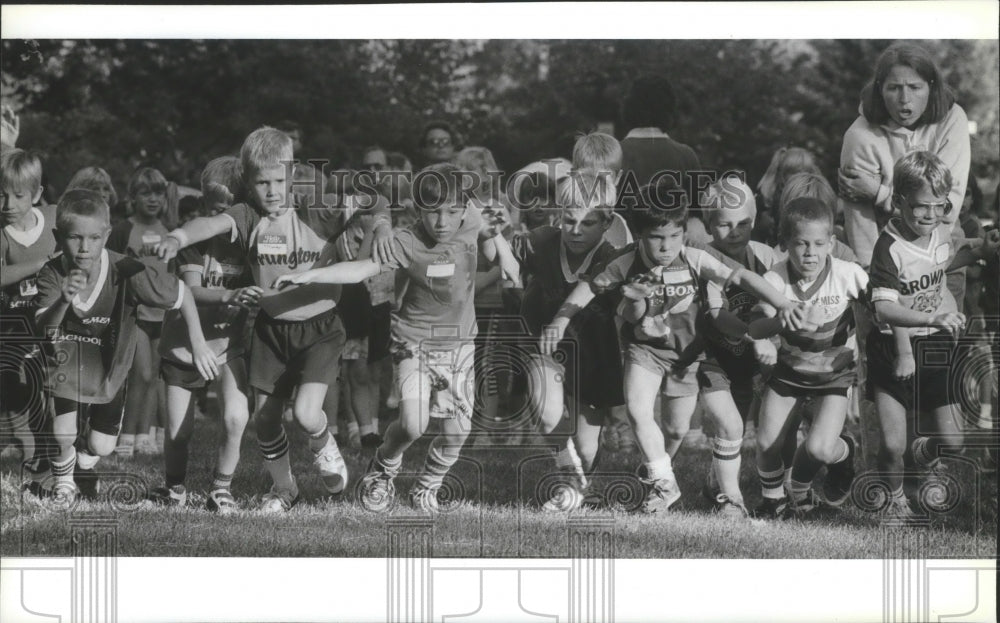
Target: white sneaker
331,466
278,501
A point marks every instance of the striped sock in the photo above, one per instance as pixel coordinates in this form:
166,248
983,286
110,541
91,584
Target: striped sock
440,457
771,483
63,470
922,453
318,441
276,461
388,466
800,490
222,481
366,429
726,461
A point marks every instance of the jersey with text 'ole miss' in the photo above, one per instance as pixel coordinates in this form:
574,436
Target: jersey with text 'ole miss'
24,247
677,298
93,346
823,353
219,265
543,260
757,258
301,238
913,274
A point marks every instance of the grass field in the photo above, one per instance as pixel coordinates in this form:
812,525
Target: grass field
498,491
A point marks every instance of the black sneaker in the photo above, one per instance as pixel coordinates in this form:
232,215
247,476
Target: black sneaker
800,509
370,441
840,477
88,482
770,508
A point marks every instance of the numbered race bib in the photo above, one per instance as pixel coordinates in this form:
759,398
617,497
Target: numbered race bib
272,244
149,240
29,287
441,270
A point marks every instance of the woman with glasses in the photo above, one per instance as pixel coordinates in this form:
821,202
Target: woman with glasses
439,142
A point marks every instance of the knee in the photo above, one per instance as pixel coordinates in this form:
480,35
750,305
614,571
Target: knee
892,451
103,446
234,419
820,450
357,373
675,431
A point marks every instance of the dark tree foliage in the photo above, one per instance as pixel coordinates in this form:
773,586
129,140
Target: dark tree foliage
177,104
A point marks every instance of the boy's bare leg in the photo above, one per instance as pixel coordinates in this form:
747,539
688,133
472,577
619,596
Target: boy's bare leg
724,420
233,389
774,425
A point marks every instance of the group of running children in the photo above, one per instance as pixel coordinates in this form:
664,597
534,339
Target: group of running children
617,323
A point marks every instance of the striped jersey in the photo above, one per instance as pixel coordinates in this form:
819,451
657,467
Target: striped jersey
677,298
823,354
912,273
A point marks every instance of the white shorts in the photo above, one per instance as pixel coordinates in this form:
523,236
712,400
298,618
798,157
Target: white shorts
444,379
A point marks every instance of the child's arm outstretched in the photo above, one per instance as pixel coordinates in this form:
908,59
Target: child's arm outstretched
354,271
194,231
980,249
580,297
791,315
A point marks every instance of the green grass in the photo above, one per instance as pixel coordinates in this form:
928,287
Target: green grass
496,518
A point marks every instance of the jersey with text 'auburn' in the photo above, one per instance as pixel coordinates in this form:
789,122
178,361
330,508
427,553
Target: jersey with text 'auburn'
823,354
678,294
912,274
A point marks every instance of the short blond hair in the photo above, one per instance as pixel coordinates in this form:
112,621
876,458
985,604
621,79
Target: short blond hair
265,148
21,170
588,190
598,151
728,193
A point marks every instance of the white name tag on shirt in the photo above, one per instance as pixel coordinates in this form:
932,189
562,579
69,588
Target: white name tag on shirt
941,253
150,238
29,287
441,270
272,244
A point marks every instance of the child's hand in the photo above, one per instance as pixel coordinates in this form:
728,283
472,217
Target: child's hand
765,352
204,360
382,243
510,268
167,248
553,334
793,317
905,366
953,322
247,297
991,243
72,283
10,127
293,279
636,290
652,327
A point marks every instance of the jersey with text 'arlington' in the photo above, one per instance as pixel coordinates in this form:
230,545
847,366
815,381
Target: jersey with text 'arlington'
300,238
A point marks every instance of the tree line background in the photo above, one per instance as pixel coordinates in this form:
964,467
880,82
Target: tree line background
176,104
